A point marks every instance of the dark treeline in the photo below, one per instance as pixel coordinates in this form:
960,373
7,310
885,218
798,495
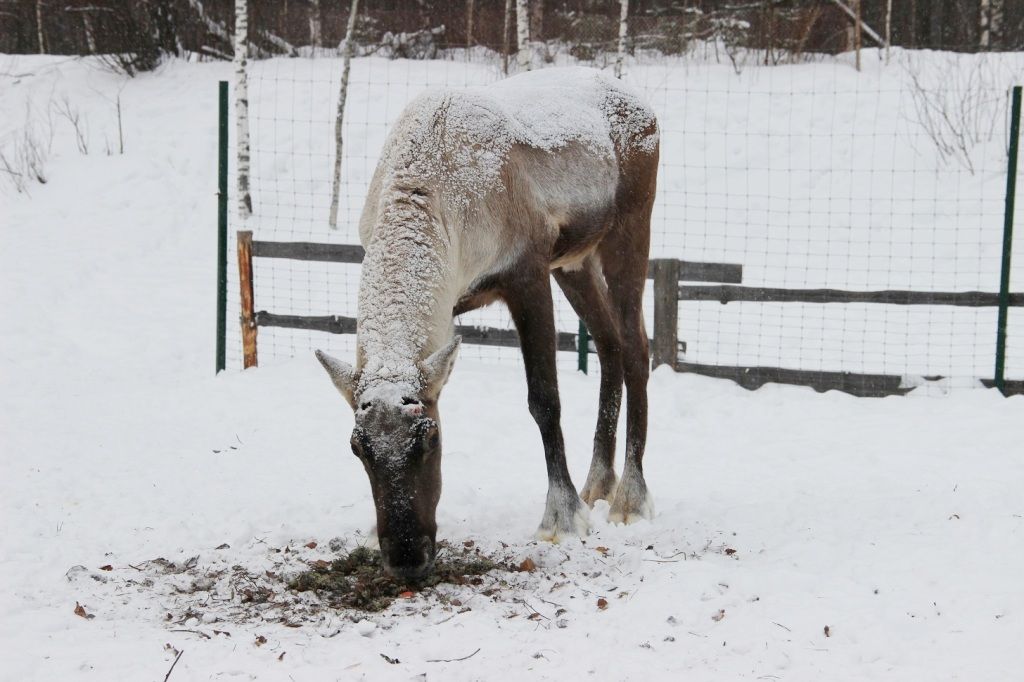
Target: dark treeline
146,30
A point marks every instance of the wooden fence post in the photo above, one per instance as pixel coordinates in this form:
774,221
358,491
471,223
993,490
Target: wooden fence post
666,311
245,288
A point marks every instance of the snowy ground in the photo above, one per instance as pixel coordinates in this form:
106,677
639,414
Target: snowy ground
897,523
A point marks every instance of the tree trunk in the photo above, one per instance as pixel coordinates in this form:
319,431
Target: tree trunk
995,22
90,38
525,54
340,117
888,28
623,32
506,48
935,25
966,22
315,32
858,31
39,27
470,10
912,38
242,106
536,20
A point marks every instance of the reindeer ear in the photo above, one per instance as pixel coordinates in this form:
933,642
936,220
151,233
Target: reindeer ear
342,374
437,367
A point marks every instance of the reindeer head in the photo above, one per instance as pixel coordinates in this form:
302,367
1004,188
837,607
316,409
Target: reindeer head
397,438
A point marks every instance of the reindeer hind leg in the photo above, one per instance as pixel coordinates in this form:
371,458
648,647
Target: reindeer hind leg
586,291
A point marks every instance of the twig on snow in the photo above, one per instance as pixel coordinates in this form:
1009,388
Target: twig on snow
527,605
168,675
452,660
194,632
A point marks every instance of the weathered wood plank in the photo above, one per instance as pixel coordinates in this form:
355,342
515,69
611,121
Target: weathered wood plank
334,324
689,271
245,288
339,324
310,251
666,311
1010,387
861,385
693,271
728,293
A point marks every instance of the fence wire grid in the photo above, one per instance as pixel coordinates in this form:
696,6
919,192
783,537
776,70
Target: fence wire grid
809,175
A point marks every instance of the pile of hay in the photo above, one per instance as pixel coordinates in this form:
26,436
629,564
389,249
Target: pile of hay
357,581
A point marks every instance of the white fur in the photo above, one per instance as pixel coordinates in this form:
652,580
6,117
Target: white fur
565,516
632,500
600,485
434,221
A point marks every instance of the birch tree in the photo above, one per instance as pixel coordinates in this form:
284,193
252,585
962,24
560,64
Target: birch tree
991,18
315,32
342,95
242,106
525,54
505,47
39,27
623,31
888,28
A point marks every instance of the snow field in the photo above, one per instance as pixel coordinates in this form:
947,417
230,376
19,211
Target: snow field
896,523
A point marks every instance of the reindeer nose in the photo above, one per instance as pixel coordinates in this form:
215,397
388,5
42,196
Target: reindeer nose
409,563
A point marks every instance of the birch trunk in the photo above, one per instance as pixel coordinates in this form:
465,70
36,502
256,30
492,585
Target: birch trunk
996,22
623,32
888,28
342,94
991,18
470,11
242,106
506,48
315,33
985,38
858,31
90,39
39,27
525,53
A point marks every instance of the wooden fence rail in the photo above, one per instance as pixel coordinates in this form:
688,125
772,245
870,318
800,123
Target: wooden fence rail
670,282
729,294
251,319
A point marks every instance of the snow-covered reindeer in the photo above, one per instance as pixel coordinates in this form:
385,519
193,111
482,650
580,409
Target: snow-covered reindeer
480,195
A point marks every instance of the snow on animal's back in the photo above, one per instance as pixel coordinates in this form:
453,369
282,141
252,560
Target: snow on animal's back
462,137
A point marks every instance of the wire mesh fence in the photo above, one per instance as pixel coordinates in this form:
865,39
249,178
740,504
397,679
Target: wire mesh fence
811,175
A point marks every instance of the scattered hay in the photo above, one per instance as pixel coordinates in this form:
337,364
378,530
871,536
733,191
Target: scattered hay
357,581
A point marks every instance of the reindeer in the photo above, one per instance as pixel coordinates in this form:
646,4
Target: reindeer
480,195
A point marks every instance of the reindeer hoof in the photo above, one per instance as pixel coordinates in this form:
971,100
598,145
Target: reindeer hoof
632,501
565,516
599,486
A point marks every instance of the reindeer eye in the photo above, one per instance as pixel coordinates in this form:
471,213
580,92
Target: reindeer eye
357,447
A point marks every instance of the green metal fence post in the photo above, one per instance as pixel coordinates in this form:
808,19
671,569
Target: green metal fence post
1004,275
582,348
222,227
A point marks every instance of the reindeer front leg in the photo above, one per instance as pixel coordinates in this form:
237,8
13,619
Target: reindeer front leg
528,298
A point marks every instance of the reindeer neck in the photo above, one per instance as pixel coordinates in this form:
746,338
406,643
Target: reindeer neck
404,300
